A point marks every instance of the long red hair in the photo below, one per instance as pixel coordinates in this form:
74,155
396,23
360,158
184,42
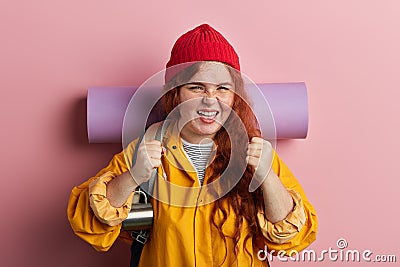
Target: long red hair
245,204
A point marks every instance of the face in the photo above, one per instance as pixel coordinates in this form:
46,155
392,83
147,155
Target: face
205,102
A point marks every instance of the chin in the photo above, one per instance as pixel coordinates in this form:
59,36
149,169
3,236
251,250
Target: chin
208,130
202,130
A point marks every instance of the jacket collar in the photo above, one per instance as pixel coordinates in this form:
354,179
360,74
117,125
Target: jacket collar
175,153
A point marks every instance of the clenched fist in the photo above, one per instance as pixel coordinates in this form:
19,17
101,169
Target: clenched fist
148,158
259,156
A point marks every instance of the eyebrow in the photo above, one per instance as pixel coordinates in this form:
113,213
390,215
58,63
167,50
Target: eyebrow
202,83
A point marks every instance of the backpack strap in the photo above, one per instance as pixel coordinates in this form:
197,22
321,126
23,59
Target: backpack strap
148,186
140,237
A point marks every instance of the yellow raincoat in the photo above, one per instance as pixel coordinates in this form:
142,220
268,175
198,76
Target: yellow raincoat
184,236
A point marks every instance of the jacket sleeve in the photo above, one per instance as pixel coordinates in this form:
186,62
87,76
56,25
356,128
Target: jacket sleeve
88,210
299,228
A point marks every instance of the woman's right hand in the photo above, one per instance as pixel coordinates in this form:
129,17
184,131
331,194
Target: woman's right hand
148,158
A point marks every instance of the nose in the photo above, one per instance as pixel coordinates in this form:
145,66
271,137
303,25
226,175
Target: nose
210,96
209,100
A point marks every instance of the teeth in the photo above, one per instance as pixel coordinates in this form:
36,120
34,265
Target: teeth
207,113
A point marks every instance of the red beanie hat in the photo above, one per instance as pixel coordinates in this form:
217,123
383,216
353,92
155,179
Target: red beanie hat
203,43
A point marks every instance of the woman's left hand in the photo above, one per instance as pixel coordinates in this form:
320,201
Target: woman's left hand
259,156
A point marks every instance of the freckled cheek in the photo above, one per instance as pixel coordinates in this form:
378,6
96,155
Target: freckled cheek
226,103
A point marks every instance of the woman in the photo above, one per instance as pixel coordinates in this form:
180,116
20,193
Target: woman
212,139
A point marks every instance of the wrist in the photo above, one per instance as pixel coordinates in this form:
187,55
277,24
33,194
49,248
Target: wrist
131,180
266,180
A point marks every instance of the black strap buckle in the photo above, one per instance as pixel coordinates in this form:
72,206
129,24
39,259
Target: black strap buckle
140,236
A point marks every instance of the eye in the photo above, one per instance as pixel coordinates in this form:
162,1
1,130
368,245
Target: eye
223,88
196,88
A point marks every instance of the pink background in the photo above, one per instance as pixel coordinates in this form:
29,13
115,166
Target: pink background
347,52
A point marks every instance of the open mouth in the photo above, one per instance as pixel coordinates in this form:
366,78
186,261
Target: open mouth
207,116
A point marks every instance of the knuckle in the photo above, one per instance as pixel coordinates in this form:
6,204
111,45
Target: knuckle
256,139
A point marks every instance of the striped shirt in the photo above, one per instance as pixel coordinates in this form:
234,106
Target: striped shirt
198,155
